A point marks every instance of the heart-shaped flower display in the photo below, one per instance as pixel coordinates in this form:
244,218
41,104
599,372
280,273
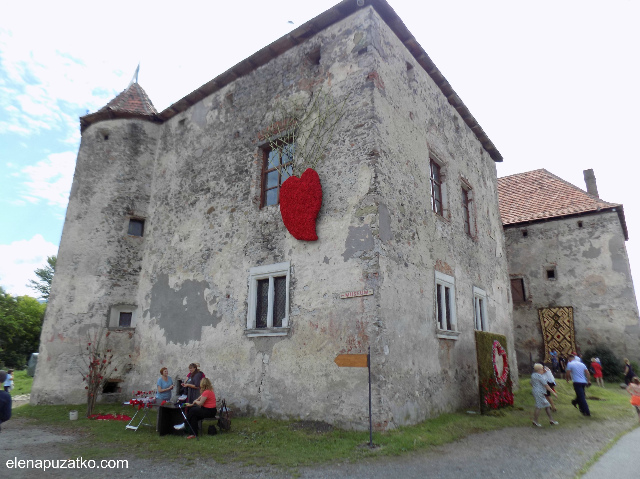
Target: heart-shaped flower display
300,202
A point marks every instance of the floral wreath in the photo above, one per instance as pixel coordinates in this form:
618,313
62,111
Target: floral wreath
498,350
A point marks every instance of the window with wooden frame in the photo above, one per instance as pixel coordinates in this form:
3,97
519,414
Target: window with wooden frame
517,290
446,307
268,302
480,309
436,187
466,214
277,166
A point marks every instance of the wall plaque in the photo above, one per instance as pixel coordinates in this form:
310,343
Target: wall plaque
356,294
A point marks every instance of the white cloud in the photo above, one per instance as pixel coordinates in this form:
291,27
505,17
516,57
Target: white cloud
50,179
19,261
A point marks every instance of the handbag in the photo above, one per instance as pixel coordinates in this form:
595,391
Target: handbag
224,419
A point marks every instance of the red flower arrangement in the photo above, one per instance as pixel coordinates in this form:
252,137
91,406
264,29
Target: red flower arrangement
300,202
106,417
498,353
495,397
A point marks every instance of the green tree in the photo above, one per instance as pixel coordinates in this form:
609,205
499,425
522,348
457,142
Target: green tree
45,276
20,325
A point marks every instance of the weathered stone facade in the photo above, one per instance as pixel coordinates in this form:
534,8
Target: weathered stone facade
194,176
586,253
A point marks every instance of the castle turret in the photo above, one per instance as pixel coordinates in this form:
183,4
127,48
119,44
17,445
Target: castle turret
101,249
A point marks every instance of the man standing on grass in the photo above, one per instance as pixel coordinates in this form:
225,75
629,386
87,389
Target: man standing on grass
577,371
5,401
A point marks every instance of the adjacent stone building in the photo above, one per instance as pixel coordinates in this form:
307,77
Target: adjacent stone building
570,277
173,239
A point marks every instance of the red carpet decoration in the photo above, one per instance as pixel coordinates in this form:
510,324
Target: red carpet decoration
300,202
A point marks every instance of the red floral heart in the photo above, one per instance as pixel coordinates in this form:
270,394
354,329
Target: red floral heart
300,202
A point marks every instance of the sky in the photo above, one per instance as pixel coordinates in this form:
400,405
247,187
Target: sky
554,84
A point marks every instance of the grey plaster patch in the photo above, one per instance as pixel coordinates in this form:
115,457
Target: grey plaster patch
199,114
325,260
358,239
592,252
384,221
632,329
182,313
265,345
619,261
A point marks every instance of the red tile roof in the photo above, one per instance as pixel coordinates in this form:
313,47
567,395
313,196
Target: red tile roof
131,103
132,100
539,195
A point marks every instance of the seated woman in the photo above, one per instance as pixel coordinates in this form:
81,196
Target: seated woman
192,384
203,407
165,386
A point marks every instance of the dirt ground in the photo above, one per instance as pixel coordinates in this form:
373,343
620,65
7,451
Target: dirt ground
551,452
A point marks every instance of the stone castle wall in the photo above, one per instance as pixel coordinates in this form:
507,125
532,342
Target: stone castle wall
195,179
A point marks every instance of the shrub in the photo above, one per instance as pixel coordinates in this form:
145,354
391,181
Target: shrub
612,366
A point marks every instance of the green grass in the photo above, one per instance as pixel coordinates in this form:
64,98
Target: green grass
258,440
21,383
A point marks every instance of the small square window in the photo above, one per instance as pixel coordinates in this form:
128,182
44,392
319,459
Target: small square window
136,227
122,316
268,304
525,233
124,321
579,224
551,273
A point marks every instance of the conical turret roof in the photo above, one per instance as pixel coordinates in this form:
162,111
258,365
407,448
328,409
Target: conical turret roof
132,100
131,103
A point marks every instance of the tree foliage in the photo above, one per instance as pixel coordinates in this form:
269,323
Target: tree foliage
45,275
305,131
20,325
99,365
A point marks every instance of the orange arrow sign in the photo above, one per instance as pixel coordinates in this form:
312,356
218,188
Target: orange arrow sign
351,360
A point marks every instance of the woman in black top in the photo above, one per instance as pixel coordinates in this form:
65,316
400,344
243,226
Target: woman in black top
192,384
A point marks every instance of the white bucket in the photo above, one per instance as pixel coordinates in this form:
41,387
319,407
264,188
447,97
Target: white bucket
73,415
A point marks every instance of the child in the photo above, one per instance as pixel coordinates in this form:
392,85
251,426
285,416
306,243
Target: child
634,390
551,382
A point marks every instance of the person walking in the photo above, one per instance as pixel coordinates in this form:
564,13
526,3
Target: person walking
629,374
539,387
578,372
634,390
596,367
8,382
5,401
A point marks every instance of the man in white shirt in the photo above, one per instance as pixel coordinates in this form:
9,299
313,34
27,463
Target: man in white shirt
577,371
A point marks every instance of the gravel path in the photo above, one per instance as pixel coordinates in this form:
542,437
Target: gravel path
551,452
